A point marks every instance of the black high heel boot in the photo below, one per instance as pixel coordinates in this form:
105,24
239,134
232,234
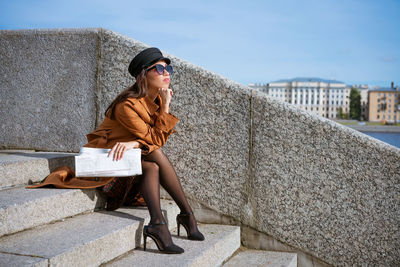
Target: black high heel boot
171,249
183,218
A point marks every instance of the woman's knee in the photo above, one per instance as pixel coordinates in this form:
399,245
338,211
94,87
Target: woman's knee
150,166
156,153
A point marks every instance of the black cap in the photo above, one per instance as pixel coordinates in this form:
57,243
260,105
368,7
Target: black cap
144,59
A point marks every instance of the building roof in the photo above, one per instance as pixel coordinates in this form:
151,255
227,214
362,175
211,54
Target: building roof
307,79
385,89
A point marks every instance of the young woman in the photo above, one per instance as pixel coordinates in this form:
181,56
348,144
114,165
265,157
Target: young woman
139,117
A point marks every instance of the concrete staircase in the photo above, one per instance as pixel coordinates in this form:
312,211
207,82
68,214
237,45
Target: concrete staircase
68,227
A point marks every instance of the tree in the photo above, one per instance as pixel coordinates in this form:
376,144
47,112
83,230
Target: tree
355,104
340,113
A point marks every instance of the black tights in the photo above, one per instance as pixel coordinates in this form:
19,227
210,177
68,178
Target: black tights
157,169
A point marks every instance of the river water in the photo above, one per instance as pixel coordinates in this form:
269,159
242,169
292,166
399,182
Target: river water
390,138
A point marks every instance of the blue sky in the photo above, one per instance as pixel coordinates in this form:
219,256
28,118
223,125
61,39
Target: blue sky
354,41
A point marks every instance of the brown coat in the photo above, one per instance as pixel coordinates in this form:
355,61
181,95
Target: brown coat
135,119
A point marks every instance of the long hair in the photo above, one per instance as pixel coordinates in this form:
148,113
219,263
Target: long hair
137,90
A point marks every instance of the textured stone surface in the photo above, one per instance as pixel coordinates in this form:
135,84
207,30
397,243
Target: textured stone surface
20,261
116,52
23,167
47,88
254,239
221,241
86,240
323,187
22,208
262,258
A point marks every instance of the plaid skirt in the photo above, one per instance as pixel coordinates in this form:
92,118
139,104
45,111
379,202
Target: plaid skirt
123,191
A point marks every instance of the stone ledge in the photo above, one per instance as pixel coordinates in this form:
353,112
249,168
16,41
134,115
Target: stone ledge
7,259
263,258
18,167
22,208
221,241
85,240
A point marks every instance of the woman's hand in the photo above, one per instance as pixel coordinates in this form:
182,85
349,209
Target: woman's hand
119,149
166,96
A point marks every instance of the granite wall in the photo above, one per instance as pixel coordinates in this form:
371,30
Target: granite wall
47,88
307,181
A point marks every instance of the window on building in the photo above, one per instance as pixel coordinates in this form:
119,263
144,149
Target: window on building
317,108
377,116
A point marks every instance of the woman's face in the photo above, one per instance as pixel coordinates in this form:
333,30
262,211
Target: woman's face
155,80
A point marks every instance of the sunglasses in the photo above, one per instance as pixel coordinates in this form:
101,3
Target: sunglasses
160,69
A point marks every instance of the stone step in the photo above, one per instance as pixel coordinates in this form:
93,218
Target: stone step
221,241
262,258
22,208
19,167
83,240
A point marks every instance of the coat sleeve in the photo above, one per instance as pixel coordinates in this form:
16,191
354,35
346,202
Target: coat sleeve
154,135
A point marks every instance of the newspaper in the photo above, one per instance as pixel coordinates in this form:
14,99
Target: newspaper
93,162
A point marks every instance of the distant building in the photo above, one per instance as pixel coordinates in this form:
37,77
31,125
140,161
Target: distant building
384,104
319,96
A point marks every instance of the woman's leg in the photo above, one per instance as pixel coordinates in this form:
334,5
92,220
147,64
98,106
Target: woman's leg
170,182
150,188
